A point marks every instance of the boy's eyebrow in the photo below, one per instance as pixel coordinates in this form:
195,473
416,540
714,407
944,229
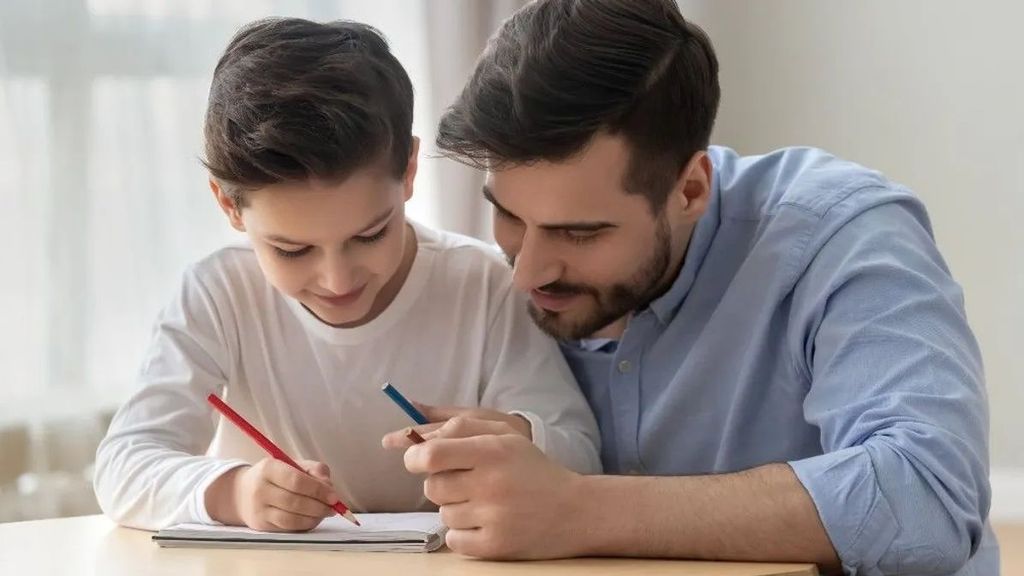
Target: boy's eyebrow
577,226
373,224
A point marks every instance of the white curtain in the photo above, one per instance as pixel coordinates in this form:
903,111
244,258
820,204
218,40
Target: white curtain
102,198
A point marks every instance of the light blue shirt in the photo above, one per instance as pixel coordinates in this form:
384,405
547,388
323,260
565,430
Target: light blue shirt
813,322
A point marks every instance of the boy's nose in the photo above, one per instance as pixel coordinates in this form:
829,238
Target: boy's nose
337,277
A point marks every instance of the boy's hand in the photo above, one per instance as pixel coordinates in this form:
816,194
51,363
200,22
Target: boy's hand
272,496
459,421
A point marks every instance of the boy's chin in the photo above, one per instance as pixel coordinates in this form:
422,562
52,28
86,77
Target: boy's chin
350,316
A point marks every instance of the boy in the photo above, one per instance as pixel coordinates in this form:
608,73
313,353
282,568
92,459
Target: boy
311,154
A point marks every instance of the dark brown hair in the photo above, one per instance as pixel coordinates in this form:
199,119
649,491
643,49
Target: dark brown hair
295,100
560,71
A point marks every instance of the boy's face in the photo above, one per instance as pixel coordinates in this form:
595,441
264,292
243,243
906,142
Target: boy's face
585,251
341,249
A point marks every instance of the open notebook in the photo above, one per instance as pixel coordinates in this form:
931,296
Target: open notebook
416,532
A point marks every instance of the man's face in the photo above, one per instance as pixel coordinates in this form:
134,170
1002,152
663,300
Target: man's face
585,251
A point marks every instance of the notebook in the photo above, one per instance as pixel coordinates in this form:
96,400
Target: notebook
414,532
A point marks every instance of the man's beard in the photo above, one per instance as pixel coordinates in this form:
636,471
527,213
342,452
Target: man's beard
612,302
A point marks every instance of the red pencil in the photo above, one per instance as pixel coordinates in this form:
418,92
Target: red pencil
269,446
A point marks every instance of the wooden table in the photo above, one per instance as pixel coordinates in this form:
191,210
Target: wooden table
94,545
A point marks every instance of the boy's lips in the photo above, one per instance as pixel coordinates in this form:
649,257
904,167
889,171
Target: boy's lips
342,300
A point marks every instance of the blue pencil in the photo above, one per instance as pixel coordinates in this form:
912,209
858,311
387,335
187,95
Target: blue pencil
404,404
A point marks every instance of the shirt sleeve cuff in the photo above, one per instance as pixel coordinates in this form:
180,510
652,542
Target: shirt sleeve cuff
856,514
199,511
537,429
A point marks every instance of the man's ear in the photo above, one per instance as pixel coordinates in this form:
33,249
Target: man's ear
692,190
411,167
228,206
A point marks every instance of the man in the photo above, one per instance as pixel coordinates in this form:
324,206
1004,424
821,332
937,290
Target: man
776,353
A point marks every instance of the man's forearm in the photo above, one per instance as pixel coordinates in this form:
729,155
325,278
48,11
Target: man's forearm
763,514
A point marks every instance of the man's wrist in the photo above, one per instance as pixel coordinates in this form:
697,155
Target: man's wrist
590,516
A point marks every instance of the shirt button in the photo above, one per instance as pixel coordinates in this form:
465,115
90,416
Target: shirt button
624,366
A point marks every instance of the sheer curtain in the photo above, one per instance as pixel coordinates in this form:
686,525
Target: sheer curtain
102,198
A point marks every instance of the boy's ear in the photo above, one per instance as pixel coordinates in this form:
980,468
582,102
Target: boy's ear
410,168
228,206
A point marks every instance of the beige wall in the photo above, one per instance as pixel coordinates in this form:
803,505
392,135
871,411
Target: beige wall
930,92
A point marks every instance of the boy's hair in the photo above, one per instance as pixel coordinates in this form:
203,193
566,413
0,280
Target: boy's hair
295,100
560,71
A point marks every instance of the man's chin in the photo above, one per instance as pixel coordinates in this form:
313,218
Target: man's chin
564,325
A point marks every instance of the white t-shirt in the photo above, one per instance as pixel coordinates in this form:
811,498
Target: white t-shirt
457,333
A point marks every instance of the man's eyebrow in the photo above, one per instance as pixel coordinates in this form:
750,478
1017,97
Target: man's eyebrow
571,226
490,198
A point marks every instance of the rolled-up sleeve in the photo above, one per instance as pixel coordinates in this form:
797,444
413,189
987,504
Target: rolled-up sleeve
897,391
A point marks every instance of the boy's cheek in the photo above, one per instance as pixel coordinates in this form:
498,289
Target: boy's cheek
289,282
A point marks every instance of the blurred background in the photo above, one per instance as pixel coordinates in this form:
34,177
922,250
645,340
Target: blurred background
103,200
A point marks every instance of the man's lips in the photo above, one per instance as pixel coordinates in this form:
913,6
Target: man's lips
552,302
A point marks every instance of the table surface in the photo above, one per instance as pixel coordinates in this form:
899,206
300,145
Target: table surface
95,545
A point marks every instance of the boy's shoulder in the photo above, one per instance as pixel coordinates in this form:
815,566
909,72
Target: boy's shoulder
226,267
461,259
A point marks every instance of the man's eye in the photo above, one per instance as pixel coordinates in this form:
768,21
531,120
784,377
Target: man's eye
582,236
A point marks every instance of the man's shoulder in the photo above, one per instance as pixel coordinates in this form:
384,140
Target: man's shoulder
807,181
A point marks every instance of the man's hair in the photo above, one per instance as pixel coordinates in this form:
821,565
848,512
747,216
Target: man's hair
294,100
558,72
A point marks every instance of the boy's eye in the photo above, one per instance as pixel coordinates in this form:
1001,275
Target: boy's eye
292,253
373,237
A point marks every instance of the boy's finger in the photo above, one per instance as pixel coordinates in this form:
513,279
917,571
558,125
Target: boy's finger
286,521
318,470
297,481
296,503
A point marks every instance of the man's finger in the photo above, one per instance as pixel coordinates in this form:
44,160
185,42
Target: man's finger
448,488
444,454
441,413
398,439
463,427
467,542
460,516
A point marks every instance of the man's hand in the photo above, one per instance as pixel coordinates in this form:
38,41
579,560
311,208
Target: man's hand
272,496
491,422
500,497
